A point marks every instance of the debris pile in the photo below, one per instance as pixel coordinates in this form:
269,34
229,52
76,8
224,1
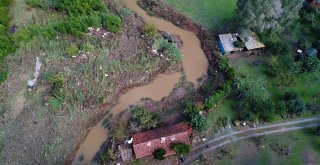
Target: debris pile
98,32
33,82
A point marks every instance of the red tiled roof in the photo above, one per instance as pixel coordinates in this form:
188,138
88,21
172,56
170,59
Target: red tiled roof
145,143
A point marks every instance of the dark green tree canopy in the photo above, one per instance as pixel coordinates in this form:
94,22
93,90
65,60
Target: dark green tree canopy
260,15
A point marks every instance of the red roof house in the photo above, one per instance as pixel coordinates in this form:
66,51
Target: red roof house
145,143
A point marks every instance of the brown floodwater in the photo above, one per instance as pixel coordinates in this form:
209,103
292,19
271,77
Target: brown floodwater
195,65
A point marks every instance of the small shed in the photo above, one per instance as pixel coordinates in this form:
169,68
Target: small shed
252,42
126,152
312,52
226,43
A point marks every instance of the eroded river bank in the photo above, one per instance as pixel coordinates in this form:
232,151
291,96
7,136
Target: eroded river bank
195,65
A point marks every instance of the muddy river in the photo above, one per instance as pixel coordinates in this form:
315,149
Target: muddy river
195,66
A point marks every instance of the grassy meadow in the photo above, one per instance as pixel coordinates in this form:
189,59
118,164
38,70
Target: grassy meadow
209,13
304,146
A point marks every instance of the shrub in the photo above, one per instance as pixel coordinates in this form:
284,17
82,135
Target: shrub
111,22
281,108
159,154
87,47
223,64
180,148
213,100
310,64
55,103
146,119
198,122
191,109
170,50
72,50
296,106
150,30
264,108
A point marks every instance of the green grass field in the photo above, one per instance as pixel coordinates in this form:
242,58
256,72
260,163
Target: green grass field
306,85
305,147
209,13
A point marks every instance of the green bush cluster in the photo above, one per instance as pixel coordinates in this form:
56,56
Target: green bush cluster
214,99
150,30
72,50
224,66
159,154
170,50
146,119
294,105
57,92
180,148
196,120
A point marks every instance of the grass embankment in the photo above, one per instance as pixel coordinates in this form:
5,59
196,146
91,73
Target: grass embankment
304,147
209,13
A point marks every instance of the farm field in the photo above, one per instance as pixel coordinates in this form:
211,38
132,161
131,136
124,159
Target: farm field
209,13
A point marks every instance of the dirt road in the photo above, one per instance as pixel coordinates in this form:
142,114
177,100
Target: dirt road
222,140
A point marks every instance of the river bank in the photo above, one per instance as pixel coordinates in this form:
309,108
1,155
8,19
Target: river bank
194,66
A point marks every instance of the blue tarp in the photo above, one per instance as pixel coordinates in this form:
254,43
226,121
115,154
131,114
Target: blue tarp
221,47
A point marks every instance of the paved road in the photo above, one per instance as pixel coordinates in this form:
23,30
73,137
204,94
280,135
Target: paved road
222,140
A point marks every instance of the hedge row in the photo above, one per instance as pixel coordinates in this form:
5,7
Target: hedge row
214,99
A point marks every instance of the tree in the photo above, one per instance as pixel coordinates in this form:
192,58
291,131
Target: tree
296,106
264,108
159,154
260,15
180,148
293,103
198,122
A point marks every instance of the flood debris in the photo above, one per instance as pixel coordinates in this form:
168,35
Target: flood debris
33,82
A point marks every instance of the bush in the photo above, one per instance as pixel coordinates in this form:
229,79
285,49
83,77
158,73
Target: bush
87,47
72,50
181,148
192,109
111,22
223,64
264,108
281,108
310,64
294,104
150,30
198,122
55,103
159,154
168,49
213,100
146,119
